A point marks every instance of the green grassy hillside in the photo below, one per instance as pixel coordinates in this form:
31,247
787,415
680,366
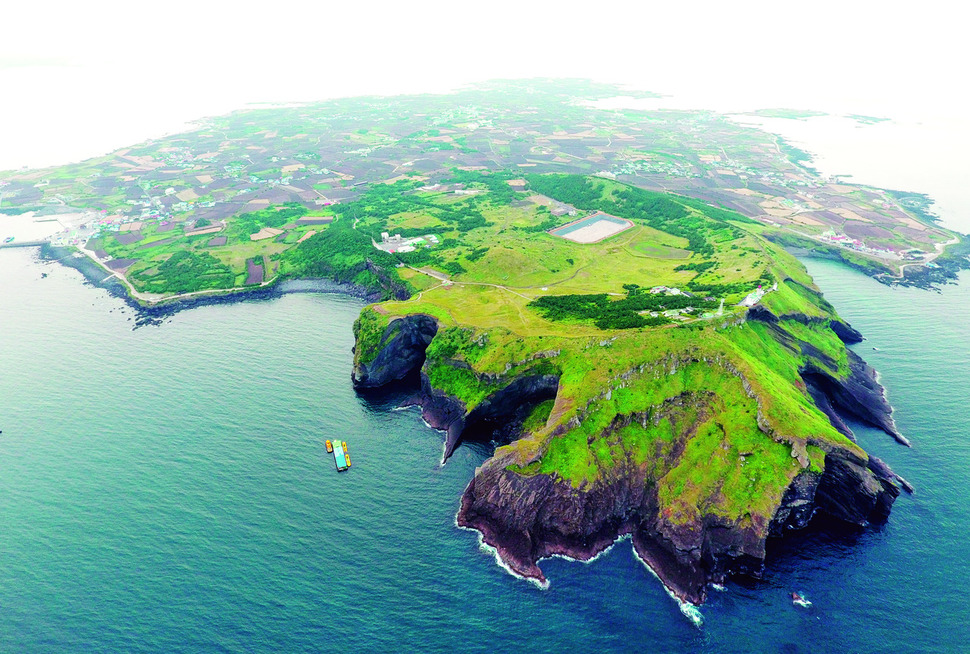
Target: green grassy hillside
709,406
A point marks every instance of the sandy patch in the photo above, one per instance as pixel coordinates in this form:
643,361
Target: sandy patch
745,191
805,219
204,230
204,179
307,235
848,214
292,168
541,200
399,178
909,222
516,182
187,195
773,207
266,232
778,213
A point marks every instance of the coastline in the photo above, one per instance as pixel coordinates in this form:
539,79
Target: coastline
688,597
92,274
689,609
507,510
156,312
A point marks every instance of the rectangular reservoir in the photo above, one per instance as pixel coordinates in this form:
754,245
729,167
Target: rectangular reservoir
592,228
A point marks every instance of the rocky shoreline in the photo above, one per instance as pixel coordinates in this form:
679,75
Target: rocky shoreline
526,518
154,314
944,269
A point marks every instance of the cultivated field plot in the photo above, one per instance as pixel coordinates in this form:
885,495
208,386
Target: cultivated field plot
592,229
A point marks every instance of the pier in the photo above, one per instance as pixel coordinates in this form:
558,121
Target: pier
22,244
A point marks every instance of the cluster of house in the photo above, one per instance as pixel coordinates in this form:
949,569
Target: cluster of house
669,290
398,243
852,243
755,296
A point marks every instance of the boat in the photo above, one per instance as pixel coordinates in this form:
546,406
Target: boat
340,456
799,600
9,239
329,446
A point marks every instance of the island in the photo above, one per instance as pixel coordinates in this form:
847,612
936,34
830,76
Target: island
604,295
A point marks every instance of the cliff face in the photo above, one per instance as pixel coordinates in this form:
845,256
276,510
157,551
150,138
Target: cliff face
500,415
859,396
527,509
529,517
401,350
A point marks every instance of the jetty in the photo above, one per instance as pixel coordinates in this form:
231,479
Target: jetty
21,244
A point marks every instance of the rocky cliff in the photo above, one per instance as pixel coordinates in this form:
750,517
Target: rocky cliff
529,517
400,350
695,515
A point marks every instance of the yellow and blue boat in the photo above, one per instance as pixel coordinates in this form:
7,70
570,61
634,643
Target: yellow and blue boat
341,457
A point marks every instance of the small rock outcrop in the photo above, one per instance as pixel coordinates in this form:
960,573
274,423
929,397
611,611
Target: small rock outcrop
502,412
859,396
402,351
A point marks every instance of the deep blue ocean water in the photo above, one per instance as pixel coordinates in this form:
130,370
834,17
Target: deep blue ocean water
167,489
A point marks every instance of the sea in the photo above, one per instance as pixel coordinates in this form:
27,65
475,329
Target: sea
167,489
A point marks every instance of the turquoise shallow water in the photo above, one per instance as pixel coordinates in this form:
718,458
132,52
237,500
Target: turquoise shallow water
167,490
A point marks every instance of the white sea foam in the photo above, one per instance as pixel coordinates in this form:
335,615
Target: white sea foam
488,549
429,426
592,558
690,611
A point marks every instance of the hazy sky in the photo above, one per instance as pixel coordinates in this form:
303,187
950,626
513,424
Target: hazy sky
80,78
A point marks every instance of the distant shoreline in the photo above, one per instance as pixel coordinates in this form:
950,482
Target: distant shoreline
155,313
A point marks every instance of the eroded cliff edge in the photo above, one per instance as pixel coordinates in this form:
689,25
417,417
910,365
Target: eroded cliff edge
699,447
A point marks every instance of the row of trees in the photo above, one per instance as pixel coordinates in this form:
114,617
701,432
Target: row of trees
696,266
608,313
242,226
341,253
